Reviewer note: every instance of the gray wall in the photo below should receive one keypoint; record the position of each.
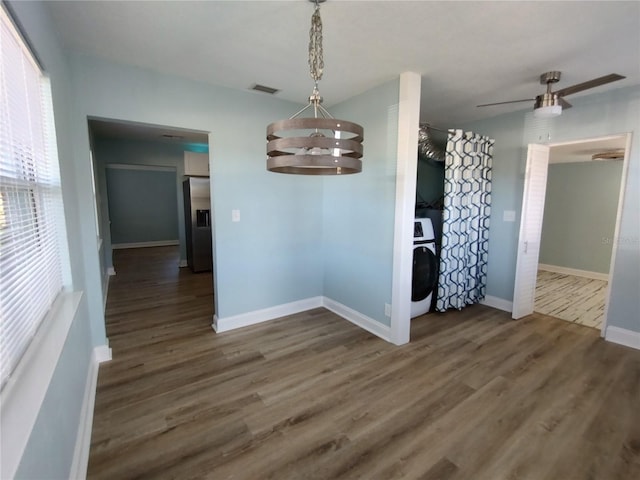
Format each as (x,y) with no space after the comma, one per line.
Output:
(613,112)
(580,215)
(142,205)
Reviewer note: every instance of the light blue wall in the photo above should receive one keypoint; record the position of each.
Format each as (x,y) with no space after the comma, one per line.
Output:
(613,112)
(271,256)
(142,205)
(49,451)
(580,215)
(136,152)
(358,216)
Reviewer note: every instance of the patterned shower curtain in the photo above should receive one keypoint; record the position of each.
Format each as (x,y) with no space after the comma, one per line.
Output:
(465,223)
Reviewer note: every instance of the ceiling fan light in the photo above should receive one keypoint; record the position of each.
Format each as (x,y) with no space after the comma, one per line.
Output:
(617,154)
(548,112)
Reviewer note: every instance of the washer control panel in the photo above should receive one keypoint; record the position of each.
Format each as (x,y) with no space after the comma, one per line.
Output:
(423,230)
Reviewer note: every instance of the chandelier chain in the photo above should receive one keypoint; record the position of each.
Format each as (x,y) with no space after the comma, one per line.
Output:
(316,60)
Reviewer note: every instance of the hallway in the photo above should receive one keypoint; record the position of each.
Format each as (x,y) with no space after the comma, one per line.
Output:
(150,295)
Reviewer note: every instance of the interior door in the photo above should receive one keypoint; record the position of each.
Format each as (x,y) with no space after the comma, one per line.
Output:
(535,187)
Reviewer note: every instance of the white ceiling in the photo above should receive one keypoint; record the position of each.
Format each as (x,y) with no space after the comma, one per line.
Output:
(467,52)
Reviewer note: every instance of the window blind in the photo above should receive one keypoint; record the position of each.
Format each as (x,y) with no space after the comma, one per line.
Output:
(31,209)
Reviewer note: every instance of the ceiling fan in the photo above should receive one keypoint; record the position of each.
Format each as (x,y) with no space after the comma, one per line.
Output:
(550,104)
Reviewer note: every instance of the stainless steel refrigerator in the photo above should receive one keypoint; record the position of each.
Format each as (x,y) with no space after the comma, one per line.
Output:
(197,217)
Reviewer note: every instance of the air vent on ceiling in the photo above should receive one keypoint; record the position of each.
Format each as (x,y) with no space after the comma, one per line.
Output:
(261,88)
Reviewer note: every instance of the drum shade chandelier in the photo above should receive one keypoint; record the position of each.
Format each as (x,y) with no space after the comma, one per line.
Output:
(318,145)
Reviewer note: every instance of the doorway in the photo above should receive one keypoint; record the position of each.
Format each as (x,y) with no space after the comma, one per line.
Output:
(533,213)
(139,172)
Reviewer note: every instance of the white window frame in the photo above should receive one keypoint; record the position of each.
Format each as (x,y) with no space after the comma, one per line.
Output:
(24,391)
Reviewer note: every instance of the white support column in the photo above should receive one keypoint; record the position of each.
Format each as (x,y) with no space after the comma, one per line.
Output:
(407,155)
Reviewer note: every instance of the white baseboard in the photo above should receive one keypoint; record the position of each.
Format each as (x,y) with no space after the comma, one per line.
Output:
(496,302)
(161,243)
(357,318)
(622,336)
(105,291)
(258,316)
(102,353)
(111,271)
(83,437)
(573,271)
(182,264)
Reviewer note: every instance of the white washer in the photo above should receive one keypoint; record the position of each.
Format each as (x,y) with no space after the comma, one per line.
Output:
(425,267)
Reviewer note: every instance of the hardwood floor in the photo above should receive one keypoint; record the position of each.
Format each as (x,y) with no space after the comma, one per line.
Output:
(474,396)
(568,297)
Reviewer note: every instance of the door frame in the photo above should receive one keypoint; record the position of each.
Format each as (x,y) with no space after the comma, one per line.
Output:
(616,232)
(531,217)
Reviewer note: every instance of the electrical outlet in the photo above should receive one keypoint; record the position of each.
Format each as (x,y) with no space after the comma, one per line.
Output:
(387,310)
(235,215)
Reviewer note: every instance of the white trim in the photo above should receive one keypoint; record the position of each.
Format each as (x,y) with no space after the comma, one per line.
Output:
(24,392)
(616,230)
(102,353)
(406,167)
(580,141)
(622,336)
(111,271)
(83,437)
(160,243)
(182,264)
(105,291)
(621,197)
(497,302)
(357,318)
(131,166)
(258,316)
(573,271)
(530,230)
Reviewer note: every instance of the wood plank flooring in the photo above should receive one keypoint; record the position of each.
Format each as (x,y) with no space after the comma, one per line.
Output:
(568,297)
(474,396)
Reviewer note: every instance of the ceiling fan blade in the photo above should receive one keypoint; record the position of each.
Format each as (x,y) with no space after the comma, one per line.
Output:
(564,103)
(510,101)
(596,82)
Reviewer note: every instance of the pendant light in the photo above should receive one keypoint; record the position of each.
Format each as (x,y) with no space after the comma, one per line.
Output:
(318,145)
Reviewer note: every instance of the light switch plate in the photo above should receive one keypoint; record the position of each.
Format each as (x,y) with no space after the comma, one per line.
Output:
(235,215)
(509,216)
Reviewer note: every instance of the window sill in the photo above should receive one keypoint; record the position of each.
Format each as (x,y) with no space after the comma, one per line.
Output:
(24,392)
